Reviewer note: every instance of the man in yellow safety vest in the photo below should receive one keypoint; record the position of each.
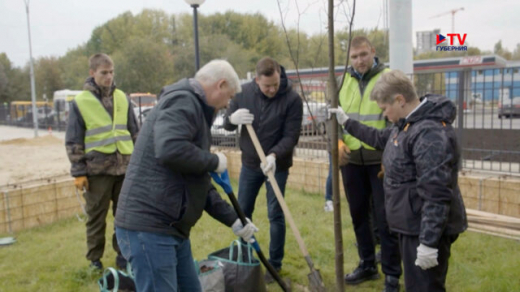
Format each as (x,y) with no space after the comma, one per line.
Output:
(100,137)
(360,165)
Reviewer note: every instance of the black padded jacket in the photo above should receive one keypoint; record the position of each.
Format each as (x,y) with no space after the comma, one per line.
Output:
(167,185)
(277,122)
(421,159)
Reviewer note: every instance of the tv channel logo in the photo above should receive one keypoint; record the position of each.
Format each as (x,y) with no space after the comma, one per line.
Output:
(443,46)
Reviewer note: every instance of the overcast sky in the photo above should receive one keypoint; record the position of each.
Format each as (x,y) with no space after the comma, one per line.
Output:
(60,25)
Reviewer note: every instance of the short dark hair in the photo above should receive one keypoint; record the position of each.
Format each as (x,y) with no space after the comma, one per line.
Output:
(359,41)
(267,66)
(98,59)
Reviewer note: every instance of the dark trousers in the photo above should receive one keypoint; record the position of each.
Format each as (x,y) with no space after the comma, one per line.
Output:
(102,190)
(432,279)
(249,185)
(328,184)
(363,189)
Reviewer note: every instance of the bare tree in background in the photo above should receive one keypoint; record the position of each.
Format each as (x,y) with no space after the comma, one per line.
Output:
(333,92)
(294,53)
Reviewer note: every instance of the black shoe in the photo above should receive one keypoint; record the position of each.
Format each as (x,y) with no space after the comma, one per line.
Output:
(362,274)
(121,262)
(378,257)
(391,284)
(268,278)
(96,265)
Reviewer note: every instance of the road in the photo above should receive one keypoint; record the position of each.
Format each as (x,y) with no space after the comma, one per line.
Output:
(9,133)
(487,120)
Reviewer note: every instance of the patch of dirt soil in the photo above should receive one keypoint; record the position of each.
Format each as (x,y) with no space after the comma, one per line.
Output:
(25,159)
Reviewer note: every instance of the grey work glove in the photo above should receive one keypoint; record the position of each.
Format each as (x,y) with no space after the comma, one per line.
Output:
(341,116)
(426,257)
(270,164)
(222,162)
(246,232)
(241,117)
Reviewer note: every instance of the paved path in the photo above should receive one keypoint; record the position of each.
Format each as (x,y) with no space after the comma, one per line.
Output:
(9,133)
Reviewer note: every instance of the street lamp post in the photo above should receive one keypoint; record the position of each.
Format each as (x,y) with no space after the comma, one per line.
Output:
(33,89)
(195,4)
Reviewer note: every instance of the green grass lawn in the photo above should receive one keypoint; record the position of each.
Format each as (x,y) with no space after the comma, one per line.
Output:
(51,258)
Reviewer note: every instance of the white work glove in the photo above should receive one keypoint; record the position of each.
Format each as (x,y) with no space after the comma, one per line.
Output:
(341,116)
(246,232)
(222,163)
(269,165)
(241,117)
(426,257)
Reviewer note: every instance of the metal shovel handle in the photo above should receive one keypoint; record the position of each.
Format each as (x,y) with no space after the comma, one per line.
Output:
(223,181)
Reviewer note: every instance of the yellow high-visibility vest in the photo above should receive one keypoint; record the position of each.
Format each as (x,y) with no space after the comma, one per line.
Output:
(360,108)
(104,134)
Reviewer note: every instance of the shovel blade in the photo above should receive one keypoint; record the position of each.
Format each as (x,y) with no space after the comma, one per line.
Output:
(315,282)
(7,240)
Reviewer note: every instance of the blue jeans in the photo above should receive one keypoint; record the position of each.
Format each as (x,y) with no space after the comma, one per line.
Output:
(160,262)
(328,184)
(249,185)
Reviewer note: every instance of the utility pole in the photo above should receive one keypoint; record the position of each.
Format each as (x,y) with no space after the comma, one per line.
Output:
(33,87)
(400,46)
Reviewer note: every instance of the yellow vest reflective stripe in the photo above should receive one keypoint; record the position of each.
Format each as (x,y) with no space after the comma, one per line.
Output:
(104,134)
(360,108)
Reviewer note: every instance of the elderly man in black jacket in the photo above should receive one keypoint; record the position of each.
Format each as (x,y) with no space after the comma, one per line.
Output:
(421,159)
(275,111)
(167,185)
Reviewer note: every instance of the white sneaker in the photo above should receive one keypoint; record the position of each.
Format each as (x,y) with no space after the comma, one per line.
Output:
(328,206)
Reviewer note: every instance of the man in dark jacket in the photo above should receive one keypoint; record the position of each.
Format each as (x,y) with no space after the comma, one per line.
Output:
(167,185)
(363,188)
(275,111)
(100,137)
(421,159)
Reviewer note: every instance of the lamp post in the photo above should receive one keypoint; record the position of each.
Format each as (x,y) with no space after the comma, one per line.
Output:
(195,4)
(33,89)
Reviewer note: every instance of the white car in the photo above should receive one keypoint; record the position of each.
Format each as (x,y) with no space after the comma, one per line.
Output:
(141,113)
(221,136)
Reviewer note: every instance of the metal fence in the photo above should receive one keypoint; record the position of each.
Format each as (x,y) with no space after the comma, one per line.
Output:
(22,116)
(488,119)
(313,137)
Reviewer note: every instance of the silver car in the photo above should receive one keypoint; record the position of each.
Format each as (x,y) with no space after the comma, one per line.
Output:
(509,108)
(141,113)
(221,136)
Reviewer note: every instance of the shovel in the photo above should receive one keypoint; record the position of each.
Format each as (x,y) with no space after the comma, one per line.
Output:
(223,181)
(315,281)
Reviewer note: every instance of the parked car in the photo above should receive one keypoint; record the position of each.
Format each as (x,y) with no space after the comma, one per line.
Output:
(509,108)
(221,136)
(141,113)
(314,124)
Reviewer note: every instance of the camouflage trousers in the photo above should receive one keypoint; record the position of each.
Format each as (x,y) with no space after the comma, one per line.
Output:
(102,190)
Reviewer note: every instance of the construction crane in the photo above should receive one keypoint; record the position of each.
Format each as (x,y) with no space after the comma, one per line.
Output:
(452,12)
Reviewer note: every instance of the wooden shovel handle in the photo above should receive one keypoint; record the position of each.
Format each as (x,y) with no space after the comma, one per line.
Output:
(277,191)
